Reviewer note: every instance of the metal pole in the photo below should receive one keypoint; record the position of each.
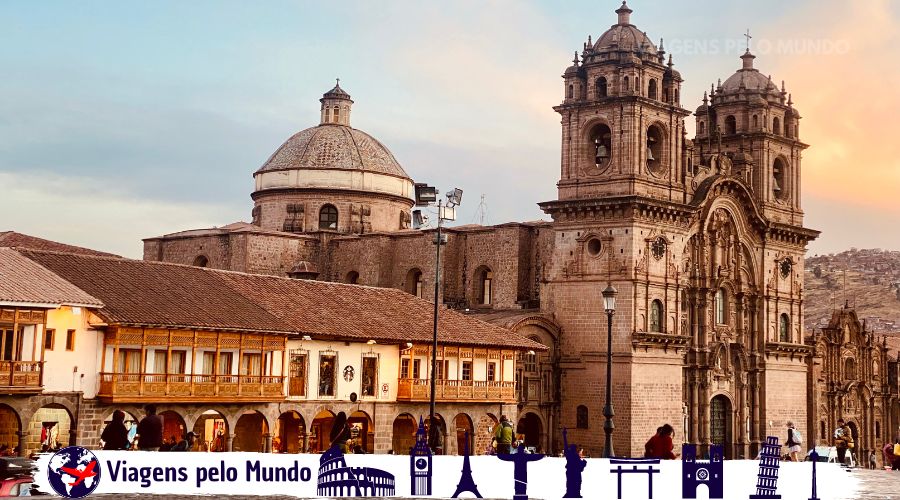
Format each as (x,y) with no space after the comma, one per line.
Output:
(608,425)
(432,425)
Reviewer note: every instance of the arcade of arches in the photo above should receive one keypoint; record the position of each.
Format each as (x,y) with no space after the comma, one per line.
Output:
(284,428)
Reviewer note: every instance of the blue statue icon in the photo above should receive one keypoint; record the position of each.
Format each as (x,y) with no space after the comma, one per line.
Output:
(420,464)
(466,483)
(708,472)
(769,463)
(520,473)
(574,467)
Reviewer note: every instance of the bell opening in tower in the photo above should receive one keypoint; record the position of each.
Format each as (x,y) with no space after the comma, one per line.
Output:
(655,153)
(601,144)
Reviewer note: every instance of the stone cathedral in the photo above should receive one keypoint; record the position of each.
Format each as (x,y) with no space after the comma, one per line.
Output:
(703,239)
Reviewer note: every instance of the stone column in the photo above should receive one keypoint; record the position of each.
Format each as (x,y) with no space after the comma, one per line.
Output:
(268,445)
(21,434)
(229,441)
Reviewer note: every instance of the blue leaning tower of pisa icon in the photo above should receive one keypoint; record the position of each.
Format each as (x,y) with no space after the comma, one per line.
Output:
(769,462)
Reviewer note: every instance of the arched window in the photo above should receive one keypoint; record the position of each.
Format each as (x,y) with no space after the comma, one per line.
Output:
(755,122)
(201,261)
(337,114)
(701,128)
(822,430)
(656,316)
(666,94)
(581,417)
(676,96)
(850,369)
(651,89)
(784,328)
(637,85)
(414,282)
(571,93)
(730,125)
(529,361)
(352,278)
(484,282)
(625,87)
(779,176)
(776,126)
(720,306)
(601,87)
(328,218)
(601,144)
(655,150)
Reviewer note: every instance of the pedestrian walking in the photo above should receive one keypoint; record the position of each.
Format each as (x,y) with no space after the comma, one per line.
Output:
(794,440)
(115,435)
(887,454)
(895,465)
(843,440)
(872,460)
(150,430)
(503,434)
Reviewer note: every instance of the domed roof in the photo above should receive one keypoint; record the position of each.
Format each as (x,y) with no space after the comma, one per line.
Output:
(748,77)
(331,146)
(624,35)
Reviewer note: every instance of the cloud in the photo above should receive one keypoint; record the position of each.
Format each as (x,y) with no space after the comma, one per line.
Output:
(94,214)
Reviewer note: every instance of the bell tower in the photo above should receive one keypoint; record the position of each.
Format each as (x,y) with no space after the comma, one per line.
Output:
(622,120)
(754,123)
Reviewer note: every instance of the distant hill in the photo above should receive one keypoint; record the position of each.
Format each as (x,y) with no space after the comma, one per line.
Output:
(872,287)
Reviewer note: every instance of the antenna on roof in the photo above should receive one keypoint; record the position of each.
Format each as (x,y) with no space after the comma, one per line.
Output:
(481,211)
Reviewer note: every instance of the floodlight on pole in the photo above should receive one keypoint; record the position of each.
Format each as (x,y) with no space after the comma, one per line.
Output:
(454,197)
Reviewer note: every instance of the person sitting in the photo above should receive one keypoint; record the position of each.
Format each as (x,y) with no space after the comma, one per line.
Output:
(186,444)
(660,445)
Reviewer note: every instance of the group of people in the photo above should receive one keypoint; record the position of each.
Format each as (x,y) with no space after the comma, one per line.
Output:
(148,435)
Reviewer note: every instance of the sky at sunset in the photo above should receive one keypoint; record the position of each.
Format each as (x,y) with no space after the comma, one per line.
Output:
(125,120)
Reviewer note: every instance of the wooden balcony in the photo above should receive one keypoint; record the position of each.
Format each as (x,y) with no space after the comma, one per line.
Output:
(20,377)
(159,388)
(481,391)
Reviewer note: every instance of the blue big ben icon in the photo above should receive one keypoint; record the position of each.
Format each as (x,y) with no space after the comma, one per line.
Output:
(420,464)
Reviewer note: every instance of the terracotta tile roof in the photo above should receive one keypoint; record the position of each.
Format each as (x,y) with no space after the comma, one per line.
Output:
(25,282)
(144,292)
(135,292)
(19,240)
(363,313)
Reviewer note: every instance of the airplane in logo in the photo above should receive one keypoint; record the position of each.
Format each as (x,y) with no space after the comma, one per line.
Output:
(81,475)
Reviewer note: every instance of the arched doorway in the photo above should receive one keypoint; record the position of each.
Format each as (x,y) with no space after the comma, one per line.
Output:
(530,429)
(50,428)
(484,433)
(320,432)
(212,431)
(441,448)
(290,433)
(463,424)
(720,423)
(250,431)
(10,426)
(854,431)
(174,427)
(362,431)
(404,434)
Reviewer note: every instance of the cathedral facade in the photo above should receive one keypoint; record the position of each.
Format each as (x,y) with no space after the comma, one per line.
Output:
(703,238)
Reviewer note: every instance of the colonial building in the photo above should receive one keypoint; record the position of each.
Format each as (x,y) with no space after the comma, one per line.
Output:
(247,362)
(702,237)
(856,379)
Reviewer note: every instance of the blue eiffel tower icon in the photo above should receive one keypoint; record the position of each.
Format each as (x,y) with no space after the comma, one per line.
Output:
(466,483)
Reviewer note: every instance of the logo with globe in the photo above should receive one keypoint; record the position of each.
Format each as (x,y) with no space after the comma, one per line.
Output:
(74,472)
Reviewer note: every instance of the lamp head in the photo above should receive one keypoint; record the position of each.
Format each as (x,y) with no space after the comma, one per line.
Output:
(609,299)
(454,197)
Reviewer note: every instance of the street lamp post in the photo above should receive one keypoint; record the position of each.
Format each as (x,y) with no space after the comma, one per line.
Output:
(609,304)
(426,195)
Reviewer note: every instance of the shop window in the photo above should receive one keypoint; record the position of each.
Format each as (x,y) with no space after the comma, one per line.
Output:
(369,375)
(327,374)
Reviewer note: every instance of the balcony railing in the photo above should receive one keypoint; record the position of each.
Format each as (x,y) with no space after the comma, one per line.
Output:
(456,390)
(124,387)
(20,376)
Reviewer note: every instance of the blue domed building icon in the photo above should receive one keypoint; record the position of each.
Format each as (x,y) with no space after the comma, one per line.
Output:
(74,472)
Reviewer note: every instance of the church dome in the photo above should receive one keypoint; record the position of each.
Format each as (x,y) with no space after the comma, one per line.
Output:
(748,78)
(333,146)
(624,35)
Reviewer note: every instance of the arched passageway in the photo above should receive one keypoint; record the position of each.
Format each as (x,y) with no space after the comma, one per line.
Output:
(212,432)
(362,432)
(320,432)
(10,426)
(250,432)
(290,433)
(404,434)
(463,425)
(529,430)
(51,428)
